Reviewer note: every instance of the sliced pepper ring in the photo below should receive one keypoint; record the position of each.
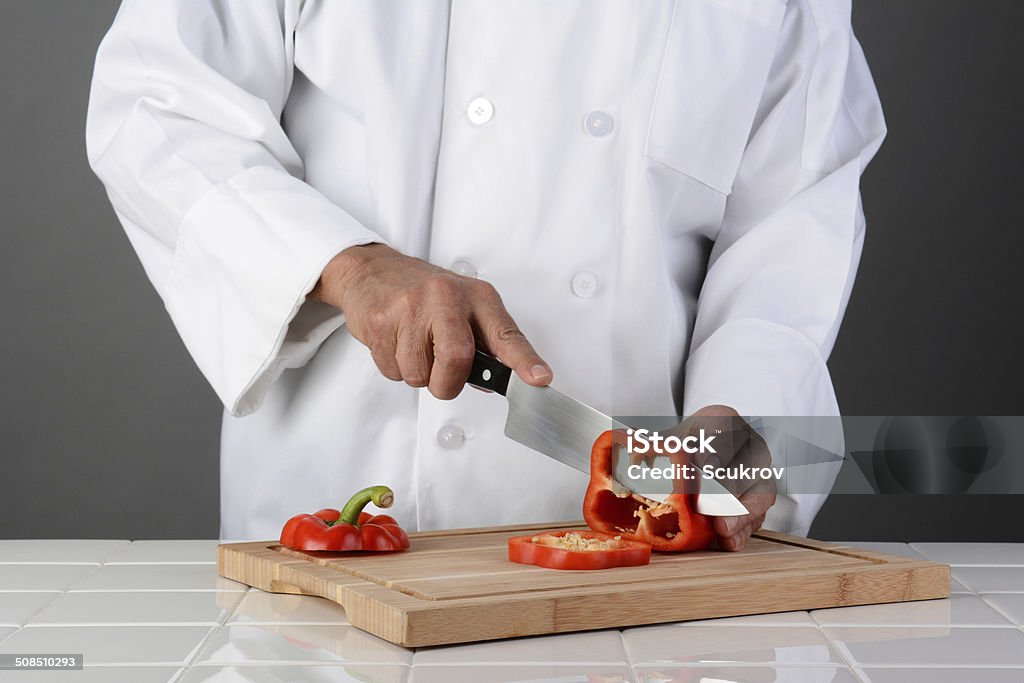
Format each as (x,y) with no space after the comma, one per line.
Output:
(577,549)
(670,526)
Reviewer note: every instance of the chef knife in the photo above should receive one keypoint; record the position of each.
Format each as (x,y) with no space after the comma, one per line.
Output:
(562,428)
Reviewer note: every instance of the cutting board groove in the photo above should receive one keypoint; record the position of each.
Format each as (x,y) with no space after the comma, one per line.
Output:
(458,586)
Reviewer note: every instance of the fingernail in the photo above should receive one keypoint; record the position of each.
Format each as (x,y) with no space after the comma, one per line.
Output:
(731,524)
(540,372)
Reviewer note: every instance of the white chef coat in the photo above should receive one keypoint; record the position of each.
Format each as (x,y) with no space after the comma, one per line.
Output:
(664,193)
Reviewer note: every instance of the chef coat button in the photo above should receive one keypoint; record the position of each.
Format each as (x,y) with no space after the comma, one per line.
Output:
(450,437)
(584,284)
(598,124)
(464,267)
(480,111)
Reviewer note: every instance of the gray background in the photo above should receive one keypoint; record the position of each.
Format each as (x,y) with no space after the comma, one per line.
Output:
(108,430)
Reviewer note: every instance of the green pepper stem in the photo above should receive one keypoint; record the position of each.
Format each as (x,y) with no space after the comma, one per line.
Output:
(381,496)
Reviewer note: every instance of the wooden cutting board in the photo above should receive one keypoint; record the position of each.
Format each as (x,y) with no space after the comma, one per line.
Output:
(458,586)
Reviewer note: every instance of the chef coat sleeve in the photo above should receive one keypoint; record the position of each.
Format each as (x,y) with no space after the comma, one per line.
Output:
(184,131)
(782,267)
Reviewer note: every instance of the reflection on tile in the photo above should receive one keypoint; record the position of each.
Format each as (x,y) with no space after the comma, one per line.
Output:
(942,675)
(901,549)
(714,644)
(591,647)
(102,674)
(58,551)
(112,644)
(283,643)
(959,610)
(203,607)
(325,673)
(973,553)
(166,552)
(522,673)
(1010,604)
(41,577)
(16,608)
(277,608)
(930,646)
(777,619)
(991,579)
(751,674)
(156,577)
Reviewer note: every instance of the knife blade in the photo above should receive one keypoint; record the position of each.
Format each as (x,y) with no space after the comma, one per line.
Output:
(562,428)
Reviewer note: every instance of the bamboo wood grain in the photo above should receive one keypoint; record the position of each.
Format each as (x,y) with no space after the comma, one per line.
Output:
(458,586)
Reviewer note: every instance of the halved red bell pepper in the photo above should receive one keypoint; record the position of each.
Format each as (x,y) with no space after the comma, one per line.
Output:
(577,549)
(350,529)
(671,526)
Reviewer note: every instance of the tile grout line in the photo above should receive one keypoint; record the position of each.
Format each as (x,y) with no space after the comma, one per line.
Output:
(187,663)
(626,648)
(140,590)
(943,667)
(127,545)
(214,631)
(125,624)
(981,596)
(3,639)
(57,594)
(841,650)
(834,666)
(859,674)
(258,664)
(625,653)
(234,609)
(98,561)
(966,627)
(500,663)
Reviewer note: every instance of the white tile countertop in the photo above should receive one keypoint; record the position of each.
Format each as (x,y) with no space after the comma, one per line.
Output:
(157,611)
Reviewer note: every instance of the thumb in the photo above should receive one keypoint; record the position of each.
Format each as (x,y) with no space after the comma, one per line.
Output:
(504,340)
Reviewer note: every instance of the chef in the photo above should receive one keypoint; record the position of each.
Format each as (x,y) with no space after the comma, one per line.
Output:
(652,206)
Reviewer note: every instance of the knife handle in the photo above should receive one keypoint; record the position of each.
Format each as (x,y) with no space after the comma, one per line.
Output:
(489,373)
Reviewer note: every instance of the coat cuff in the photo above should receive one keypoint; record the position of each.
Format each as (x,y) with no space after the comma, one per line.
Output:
(759,368)
(763,369)
(248,253)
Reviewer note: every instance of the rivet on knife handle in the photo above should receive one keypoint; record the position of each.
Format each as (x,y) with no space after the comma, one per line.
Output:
(489,373)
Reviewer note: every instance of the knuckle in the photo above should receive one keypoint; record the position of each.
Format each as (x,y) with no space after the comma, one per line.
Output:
(415,380)
(390,372)
(405,304)
(378,353)
(761,458)
(413,364)
(386,364)
(444,392)
(485,290)
(507,332)
(441,286)
(378,324)
(451,318)
(454,353)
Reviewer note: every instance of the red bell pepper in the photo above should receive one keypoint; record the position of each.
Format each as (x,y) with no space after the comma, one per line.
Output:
(577,549)
(350,529)
(671,526)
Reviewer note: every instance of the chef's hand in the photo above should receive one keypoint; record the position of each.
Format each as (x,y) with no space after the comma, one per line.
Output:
(737,444)
(422,323)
